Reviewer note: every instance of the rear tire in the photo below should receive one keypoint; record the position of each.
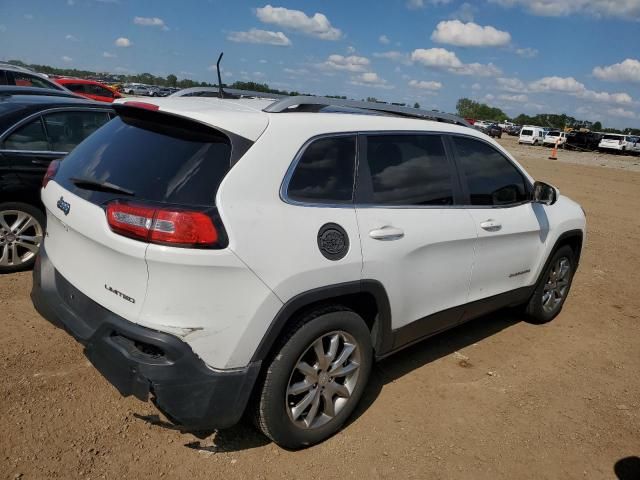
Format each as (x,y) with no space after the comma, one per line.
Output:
(553,287)
(21,233)
(316,378)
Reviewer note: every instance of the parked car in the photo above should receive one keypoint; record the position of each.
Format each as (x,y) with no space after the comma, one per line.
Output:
(555,137)
(494,130)
(90,89)
(23,77)
(138,89)
(531,135)
(585,141)
(513,130)
(617,143)
(34,131)
(633,145)
(220,265)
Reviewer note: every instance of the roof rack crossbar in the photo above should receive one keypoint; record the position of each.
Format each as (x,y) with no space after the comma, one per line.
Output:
(286,104)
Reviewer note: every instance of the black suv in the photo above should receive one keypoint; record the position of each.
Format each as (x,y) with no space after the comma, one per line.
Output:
(577,140)
(34,131)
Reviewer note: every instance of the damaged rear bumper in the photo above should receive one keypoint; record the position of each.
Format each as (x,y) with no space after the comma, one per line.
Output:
(143,362)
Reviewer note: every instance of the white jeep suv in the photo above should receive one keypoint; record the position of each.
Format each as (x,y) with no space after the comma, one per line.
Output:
(232,255)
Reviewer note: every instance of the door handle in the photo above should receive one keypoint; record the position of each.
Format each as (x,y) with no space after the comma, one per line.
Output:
(387,233)
(491,225)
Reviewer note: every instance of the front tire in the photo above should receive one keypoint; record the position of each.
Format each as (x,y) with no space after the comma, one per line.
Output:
(21,233)
(553,287)
(316,378)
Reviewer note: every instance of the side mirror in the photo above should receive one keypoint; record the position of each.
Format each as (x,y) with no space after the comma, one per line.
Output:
(545,193)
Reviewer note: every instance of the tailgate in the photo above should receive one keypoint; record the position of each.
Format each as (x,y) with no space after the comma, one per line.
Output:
(108,268)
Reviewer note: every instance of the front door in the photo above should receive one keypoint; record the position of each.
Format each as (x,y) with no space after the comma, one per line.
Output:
(511,229)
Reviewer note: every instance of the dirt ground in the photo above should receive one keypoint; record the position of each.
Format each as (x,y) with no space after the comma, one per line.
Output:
(496,398)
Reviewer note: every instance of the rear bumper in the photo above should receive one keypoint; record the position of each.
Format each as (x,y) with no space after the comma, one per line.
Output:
(143,362)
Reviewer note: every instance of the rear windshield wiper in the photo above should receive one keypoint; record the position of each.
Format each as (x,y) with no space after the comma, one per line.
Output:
(88,184)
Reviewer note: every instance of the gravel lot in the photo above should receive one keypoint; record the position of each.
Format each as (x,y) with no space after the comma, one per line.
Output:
(496,398)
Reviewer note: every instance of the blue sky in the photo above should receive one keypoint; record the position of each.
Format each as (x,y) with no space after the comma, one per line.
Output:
(581,57)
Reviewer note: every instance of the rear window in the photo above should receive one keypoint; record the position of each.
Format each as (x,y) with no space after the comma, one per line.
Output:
(612,137)
(553,134)
(168,160)
(527,132)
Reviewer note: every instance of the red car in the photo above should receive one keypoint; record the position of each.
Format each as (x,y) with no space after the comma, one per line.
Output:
(90,89)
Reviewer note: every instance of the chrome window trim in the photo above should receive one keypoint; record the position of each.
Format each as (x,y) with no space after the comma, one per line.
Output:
(33,152)
(296,159)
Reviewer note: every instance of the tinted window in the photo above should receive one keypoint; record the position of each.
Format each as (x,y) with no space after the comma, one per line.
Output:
(3,78)
(409,170)
(68,129)
(28,137)
(75,87)
(491,178)
(324,173)
(180,163)
(527,132)
(97,90)
(26,80)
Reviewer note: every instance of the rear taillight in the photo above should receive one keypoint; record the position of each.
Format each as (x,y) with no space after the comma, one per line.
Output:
(167,226)
(51,172)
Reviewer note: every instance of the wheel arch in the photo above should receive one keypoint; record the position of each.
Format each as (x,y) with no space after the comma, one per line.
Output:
(368,298)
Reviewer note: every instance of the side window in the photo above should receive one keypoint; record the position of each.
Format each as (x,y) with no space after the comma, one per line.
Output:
(26,80)
(325,172)
(491,178)
(28,137)
(3,78)
(68,129)
(409,170)
(75,87)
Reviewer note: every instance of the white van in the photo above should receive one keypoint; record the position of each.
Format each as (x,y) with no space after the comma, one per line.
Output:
(531,135)
(554,136)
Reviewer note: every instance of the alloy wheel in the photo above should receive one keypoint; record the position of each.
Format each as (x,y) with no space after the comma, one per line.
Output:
(556,285)
(323,380)
(20,237)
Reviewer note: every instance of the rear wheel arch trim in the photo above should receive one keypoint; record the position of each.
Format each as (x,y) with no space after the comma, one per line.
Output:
(381,334)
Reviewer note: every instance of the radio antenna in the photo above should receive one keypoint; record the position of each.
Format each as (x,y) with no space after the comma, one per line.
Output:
(220,91)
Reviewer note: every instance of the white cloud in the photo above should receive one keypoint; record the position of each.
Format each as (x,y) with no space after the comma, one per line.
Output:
(66,59)
(425,85)
(621,112)
(70,37)
(71,3)
(514,98)
(122,42)
(317,26)
(384,40)
(109,55)
(3,28)
(394,56)
(513,85)
(369,79)
(28,16)
(626,9)
(296,71)
(455,32)
(476,86)
(527,52)
(150,22)
(352,63)
(442,59)
(260,36)
(351,49)
(626,71)
(262,60)
(466,12)
(573,87)
(416,4)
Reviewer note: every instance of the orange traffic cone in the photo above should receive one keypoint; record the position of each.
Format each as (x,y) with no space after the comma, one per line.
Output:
(554,151)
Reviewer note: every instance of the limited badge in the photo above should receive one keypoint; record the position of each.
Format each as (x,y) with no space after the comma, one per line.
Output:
(333,241)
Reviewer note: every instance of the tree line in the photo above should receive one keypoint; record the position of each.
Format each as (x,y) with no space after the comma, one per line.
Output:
(468,108)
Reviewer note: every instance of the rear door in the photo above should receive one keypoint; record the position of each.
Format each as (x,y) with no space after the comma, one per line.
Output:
(415,239)
(511,229)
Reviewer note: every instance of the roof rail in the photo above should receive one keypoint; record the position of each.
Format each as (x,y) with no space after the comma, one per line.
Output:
(317,103)
(228,93)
